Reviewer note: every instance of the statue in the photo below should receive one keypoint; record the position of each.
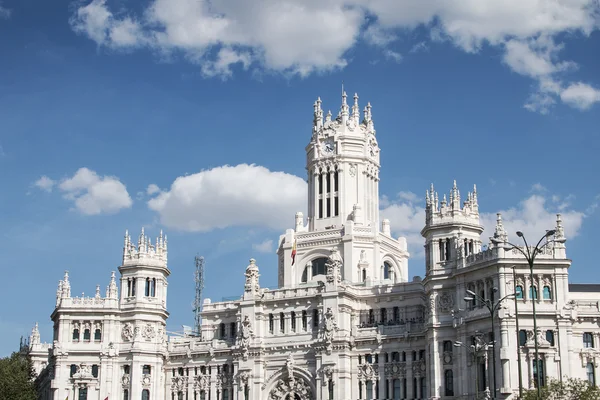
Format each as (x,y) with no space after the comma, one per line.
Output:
(334,266)
(289,366)
(245,336)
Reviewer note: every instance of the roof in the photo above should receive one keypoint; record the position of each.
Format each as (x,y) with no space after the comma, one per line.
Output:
(584,287)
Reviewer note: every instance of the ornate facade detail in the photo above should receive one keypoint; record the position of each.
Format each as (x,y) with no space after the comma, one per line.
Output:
(395,370)
(179,383)
(367,372)
(327,374)
(125,381)
(127,332)
(329,327)
(252,284)
(292,388)
(201,382)
(418,368)
(146,380)
(334,266)
(245,337)
(148,332)
(540,339)
(243,380)
(447,357)
(445,302)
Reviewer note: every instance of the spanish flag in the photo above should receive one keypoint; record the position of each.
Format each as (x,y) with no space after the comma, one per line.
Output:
(294,252)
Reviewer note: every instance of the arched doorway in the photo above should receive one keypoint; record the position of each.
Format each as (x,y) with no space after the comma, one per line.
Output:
(291,389)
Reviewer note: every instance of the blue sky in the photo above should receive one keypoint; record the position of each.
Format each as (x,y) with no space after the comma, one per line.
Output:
(104,105)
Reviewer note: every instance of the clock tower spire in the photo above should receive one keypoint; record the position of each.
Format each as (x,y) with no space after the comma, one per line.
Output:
(343,168)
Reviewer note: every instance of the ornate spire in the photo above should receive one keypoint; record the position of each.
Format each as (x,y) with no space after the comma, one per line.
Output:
(559,234)
(111,289)
(252,285)
(59,292)
(355,109)
(97,295)
(344,108)
(66,285)
(500,233)
(35,335)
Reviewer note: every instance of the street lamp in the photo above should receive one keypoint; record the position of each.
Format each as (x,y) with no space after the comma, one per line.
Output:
(530,255)
(492,308)
(480,347)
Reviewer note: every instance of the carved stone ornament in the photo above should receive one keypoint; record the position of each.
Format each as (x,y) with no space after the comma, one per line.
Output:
(179,383)
(127,332)
(245,337)
(243,380)
(146,380)
(395,370)
(125,381)
(296,389)
(329,327)
(327,372)
(148,332)
(367,372)
(418,368)
(352,170)
(445,302)
(334,266)
(202,382)
(447,357)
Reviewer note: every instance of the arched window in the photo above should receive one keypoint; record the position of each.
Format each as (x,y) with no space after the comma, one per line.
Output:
(387,270)
(449,382)
(76,335)
(550,337)
(533,293)
(318,266)
(547,293)
(590,373)
(145,394)
(153,288)
(97,335)
(448,349)
(147,288)
(304,278)
(519,291)
(86,334)
(146,369)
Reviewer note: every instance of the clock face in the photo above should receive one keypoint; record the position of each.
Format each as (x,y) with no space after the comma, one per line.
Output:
(328,147)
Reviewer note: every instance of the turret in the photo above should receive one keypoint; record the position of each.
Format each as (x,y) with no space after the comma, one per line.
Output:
(452,230)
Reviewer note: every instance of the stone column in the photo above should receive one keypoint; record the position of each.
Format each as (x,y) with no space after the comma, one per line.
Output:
(409,375)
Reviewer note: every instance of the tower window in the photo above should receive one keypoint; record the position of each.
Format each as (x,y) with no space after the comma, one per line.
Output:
(293,320)
(328,202)
(318,266)
(336,206)
(75,335)
(304,320)
(133,282)
(147,288)
(320,183)
(320,208)
(128,287)
(547,293)
(97,335)
(533,293)
(86,334)
(146,369)
(328,179)
(282,322)
(588,340)
(335,180)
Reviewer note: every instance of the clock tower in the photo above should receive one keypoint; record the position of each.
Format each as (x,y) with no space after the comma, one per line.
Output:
(341,239)
(343,168)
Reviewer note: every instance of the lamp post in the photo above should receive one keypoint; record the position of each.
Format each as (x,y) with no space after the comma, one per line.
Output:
(492,308)
(530,255)
(518,337)
(476,349)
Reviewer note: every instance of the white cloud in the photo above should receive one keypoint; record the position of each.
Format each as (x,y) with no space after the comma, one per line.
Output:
(265,247)
(4,12)
(580,95)
(310,36)
(152,189)
(533,216)
(93,194)
(44,183)
(538,187)
(242,195)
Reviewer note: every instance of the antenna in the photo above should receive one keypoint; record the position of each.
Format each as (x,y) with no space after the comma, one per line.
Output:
(199,279)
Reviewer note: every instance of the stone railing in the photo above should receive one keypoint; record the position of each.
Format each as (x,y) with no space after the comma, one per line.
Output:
(327,234)
(391,330)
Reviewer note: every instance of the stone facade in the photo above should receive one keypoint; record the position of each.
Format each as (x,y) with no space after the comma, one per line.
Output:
(345,322)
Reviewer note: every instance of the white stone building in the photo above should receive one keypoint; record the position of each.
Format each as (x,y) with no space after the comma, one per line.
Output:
(346,322)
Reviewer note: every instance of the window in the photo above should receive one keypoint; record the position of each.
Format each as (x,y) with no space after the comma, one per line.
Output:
(147,288)
(387,269)
(403,356)
(86,334)
(281,322)
(83,393)
(330,384)
(97,335)
(202,395)
(395,356)
(95,371)
(315,318)
(396,314)
(364,274)
(550,337)
(145,394)
(304,320)
(448,383)
(304,278)
(533,294)
(126,394)
(369,387)
(547,293)
(126,369)
(396,390)
(383,312)
(542,372)
(179,395)
(232,328)
(519,291)
(293,320)
(73,370)
(318,266)
(75,335)
(146,369)
(590,373)
(271,323)
(133,282)
(448,348)
(588,340)
(522,337)
(371,316)
(369,359)
(180,371)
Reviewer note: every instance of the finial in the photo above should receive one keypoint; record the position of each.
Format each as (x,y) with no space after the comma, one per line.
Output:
(66,278)
(97,291)
(454,185)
